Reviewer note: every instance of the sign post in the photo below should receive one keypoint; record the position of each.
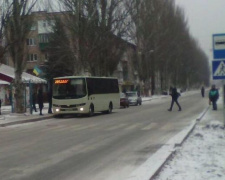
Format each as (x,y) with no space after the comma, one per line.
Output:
(218,65)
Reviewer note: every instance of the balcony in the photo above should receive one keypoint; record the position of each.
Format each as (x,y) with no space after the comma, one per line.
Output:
(43,46)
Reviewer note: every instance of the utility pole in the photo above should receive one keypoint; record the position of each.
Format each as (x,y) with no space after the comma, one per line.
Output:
(152,71)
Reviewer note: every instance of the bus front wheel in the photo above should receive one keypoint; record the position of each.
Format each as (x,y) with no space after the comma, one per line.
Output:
(91,111)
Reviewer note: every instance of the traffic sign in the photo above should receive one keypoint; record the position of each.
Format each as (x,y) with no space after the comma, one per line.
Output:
(219,46)
(218,68)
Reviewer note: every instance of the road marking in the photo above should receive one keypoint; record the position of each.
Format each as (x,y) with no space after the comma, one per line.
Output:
(85,127)
(116,127)
(134,126)
(150,126)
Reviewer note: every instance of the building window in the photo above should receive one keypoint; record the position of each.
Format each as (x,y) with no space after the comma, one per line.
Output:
(44,23)
(32,57)
(33,27)
(31,42)
(43,38)
(46,57)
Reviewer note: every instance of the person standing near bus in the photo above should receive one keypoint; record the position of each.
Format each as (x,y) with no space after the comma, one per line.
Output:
(34,101)
(40,100)
(0,106)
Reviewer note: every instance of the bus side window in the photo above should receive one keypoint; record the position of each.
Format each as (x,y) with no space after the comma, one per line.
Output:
(90,87)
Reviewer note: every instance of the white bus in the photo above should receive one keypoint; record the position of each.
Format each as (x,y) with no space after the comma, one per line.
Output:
(85,95)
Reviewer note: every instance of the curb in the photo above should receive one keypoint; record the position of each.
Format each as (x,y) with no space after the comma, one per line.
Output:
(152,167)
(26,121)
(202,114)
(192,127)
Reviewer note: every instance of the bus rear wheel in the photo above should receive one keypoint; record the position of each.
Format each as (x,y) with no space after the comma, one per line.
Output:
(110,108)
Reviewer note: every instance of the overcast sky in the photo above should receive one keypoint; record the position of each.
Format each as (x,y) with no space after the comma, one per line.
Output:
(205,18)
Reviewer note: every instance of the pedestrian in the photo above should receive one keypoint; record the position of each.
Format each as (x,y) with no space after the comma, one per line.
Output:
(175,95)
(203,91)
(40,100)
(0,106)
(50,102)
(34,101)
(213,97)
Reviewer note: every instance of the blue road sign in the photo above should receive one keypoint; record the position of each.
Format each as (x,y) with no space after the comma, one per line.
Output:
(218,69)
(219,46)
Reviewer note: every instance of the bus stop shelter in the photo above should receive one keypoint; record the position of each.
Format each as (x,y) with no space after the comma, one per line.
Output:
(7,74)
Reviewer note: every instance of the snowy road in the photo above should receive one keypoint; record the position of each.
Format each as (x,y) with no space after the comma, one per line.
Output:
(103,147)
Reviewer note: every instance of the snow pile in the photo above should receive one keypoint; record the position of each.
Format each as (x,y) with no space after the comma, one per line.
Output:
(201,157)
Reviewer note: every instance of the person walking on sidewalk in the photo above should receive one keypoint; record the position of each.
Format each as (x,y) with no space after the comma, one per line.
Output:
(40,100)
(203,91)
(213,96)
(0,106)
(175,95)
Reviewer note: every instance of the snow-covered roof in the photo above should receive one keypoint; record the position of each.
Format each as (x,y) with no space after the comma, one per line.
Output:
(7,74)
(3,82)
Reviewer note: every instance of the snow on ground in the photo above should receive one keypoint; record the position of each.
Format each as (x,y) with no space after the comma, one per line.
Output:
(201,157)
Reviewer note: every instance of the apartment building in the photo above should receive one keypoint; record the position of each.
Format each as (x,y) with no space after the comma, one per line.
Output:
(39,39)
(37,53)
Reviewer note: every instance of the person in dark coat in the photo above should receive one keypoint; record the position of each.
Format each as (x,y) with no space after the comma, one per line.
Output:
(0,106)
(34,101)
(175,95)
(203,91)
(40,100)
(213,97)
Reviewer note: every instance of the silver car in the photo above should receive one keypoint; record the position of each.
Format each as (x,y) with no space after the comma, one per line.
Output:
(134,98)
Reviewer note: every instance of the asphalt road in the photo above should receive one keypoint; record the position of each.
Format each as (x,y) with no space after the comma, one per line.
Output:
(102,147)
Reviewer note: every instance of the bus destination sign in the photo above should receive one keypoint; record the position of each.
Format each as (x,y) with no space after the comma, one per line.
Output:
(61,81)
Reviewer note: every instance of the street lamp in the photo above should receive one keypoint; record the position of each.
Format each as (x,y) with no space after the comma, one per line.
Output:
(149,66)
(152,72)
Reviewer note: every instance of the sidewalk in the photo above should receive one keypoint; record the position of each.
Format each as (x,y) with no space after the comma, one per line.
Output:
(175,161)
(7,118)
(201,155)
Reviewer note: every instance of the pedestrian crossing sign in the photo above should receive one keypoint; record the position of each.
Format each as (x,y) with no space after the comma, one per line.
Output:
(218,68)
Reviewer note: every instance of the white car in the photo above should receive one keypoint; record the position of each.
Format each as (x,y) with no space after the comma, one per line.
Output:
(134,98)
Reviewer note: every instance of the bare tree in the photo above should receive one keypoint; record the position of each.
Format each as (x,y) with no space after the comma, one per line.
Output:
(5,12)
(146,16)
(166,52)
(95,27)
(17,29)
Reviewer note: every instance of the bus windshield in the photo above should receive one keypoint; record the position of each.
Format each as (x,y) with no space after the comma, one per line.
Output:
(69,88)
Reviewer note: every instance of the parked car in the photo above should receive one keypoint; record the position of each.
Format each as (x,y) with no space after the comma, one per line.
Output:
(134,98)
(124,102)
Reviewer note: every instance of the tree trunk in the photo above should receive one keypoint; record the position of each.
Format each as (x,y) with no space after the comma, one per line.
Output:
(19,93)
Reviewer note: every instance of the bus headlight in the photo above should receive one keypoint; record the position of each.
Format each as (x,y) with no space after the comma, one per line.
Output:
(57,109)
(81,109)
